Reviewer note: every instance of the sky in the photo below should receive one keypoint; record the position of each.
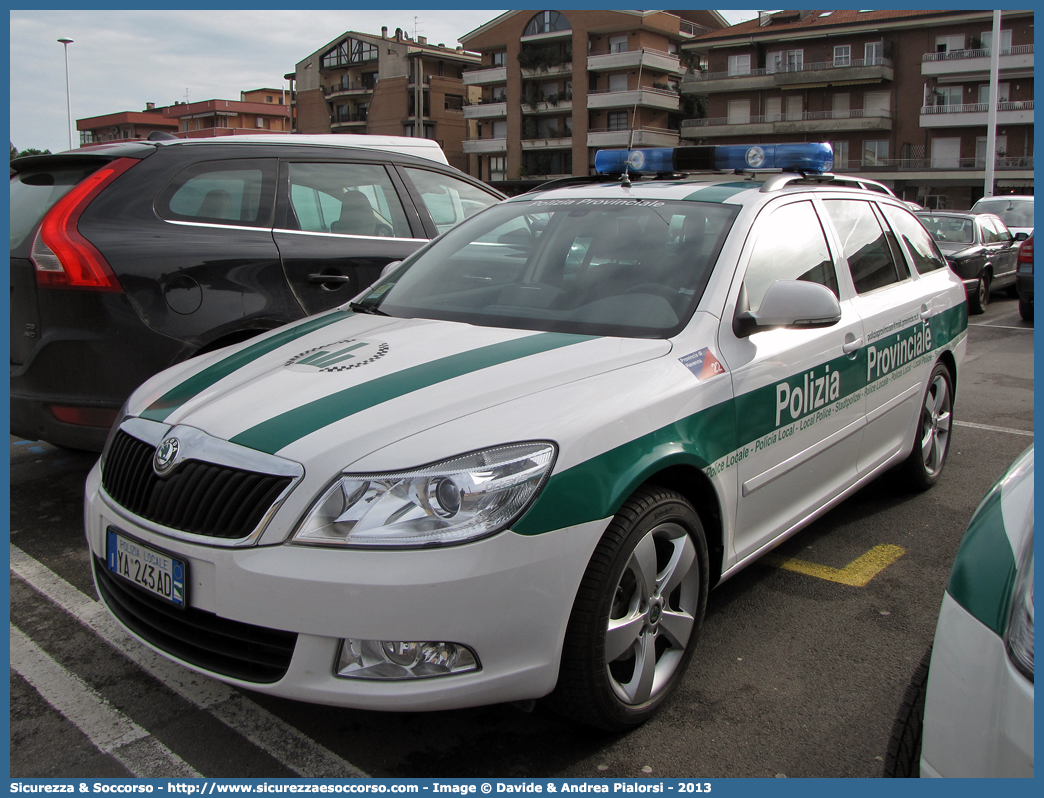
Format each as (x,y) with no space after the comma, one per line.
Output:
(122,59)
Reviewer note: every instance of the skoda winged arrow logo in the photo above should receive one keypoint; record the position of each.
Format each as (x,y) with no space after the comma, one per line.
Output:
(166,455)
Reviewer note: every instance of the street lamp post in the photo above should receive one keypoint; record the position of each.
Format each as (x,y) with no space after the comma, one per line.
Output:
(68,96)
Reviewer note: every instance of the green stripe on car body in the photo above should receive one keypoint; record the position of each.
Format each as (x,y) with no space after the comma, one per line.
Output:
(280,431)
(984,570)
(197,383)
(709,440)
(721,191)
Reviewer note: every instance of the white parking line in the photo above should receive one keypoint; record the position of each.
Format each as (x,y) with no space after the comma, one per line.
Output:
(278,739)
(1000,327)
(988,428)
(108,729)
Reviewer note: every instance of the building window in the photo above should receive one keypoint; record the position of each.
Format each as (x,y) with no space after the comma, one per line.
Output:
(739,64)
(618,44)
(500,129)
(616,120)
(269,98)
(350,51)
(786,61)
(948,44)
(498,94)
(454,102)
(618,82)
(949,95)
(875,153)
(546,22)
(843,55)
(980,150)
(500,59)
(739,112)
(841,105)
(840,154)
(498,167)
(1003,93)
(987,37)
(873,52)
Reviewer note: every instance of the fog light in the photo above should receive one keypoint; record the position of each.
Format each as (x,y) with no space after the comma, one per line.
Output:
(392,660)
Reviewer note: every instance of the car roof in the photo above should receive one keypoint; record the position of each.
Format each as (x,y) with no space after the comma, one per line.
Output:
(730,188)
(404,145)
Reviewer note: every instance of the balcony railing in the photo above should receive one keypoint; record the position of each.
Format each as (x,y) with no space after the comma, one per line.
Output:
(691,28)
(343,87)
(812,66)
(956,55)
(977,108)
(921,164)
(804,116)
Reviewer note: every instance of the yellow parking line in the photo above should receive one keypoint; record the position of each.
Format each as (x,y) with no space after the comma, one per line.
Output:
(857,573)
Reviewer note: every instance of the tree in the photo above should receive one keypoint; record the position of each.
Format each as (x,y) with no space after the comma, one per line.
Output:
(16,154)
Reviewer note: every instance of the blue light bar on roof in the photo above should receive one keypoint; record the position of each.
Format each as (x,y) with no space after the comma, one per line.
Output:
(802,157)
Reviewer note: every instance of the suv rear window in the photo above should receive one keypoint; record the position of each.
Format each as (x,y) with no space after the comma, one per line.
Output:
(1013,211)
(221,192)
(35,190)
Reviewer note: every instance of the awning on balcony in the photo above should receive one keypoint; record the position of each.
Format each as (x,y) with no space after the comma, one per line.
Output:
(1014,184)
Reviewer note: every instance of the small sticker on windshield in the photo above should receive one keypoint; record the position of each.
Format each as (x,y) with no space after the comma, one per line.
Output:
(703,364)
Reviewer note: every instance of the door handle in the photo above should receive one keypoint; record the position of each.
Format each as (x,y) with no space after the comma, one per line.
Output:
(329,278)
(851,344)
(926,312)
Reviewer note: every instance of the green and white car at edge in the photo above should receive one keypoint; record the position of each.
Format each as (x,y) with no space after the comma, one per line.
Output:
(514,467)
(968,711)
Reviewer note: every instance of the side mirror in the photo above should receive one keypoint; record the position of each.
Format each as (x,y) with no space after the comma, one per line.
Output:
(1021,236)
(795,304)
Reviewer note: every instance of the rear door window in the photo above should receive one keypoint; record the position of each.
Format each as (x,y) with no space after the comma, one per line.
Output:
(234,193)
(345,199)
(448,200)
(872,258)
(921,249)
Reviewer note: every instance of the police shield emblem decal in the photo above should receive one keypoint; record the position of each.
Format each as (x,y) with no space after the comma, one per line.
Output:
(338,356)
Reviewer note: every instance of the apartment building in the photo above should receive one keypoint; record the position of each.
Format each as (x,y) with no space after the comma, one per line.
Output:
(556,86)
(903,96)
(209,118)
(122,125)
(387,85)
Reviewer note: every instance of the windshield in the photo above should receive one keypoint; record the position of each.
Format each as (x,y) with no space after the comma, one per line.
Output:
(624,267)
(1015,212)
(950,229)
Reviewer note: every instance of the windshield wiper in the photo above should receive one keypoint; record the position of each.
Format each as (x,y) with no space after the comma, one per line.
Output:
(372,310)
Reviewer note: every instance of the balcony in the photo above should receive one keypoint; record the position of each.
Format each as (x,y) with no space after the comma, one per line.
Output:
(966,62)
(820,73)
(1007,168)
(349,122)
(549,105)
(648,59)
(1009,113)
(777,124)
(555,143)
(356,89)
(643,137)
(548,72)
(648,98)
(485,77)
(686,28)
(483,146)
(486,111)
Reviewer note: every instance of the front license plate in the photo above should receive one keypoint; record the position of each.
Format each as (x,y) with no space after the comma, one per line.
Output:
(150,569)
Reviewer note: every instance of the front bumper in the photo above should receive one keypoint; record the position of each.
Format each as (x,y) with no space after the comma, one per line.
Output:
(507,597)
(978,712)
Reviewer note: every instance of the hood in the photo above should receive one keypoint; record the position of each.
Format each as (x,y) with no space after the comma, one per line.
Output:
(343,378)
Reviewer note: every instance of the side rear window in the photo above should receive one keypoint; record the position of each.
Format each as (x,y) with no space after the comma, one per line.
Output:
(35,190)
(346,199)
(237,193)
(920,247)
(872,260)
(448,200)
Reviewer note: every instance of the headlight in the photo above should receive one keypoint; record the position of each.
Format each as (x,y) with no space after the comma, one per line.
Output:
(1019,637)
(457,500)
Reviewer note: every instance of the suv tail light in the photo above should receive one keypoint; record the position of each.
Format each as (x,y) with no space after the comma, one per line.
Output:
(62,256)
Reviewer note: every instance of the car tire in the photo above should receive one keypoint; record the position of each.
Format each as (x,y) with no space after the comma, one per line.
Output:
(903,757)
(980,297)
(1026,310)
(637,614)
(923,467)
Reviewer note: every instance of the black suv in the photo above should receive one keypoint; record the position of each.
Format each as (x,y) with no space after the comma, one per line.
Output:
(129,257)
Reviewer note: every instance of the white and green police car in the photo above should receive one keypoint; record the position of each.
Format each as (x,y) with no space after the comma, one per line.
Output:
(514,467)
(968,711)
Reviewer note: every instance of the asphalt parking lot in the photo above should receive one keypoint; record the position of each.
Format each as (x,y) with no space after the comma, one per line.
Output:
(800,668)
